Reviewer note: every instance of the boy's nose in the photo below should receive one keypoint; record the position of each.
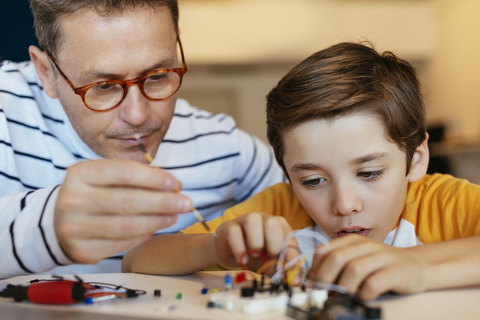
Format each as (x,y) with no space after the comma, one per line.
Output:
(134,110)
(345,200)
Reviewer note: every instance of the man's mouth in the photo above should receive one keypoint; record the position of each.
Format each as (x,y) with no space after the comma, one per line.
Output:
(354,230)
(132,141)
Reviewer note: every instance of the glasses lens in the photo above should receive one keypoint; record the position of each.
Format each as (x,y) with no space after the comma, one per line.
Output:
(161,85)
(104,96)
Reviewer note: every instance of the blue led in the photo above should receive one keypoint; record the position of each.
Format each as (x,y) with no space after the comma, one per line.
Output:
(228,281)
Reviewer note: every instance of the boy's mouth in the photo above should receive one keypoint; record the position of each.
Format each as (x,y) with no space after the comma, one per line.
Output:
(354,230)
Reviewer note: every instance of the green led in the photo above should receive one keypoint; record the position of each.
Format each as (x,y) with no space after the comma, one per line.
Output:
(179,296)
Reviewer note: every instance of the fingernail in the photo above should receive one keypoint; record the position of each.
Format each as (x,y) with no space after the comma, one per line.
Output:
(245,260)
(169,183)
(184,205)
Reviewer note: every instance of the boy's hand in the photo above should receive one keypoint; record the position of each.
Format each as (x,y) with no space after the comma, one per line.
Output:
(253,231)
(369,268)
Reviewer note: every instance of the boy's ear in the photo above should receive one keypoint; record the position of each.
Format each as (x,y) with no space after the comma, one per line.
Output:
(420,160)
(44,70)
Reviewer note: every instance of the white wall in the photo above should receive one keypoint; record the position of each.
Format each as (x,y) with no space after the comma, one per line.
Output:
(246,31)
(237,50)
(452,78)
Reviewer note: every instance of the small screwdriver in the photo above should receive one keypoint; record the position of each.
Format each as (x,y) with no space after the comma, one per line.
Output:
(50,292)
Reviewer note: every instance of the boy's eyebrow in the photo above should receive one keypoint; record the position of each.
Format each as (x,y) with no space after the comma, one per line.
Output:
(359,160)
(305,166)
(370,157)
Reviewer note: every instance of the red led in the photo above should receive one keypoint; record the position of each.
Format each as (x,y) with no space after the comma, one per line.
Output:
(241,277)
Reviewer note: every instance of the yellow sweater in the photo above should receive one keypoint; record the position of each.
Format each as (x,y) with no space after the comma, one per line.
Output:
(438,208)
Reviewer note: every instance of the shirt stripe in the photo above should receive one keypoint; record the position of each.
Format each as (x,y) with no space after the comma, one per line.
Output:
(250,165)
(17,95)
(203,162)
(200,135)
(43,231)
(14,249)
(259,181)
(18,179)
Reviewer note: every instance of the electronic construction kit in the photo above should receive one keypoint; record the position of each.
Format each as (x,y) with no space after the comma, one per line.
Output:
(276,287)
(288,287)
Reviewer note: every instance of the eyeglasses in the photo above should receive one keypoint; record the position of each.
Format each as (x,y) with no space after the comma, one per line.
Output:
(156,85)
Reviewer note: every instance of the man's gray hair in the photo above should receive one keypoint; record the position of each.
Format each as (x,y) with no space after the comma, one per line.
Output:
(47,15)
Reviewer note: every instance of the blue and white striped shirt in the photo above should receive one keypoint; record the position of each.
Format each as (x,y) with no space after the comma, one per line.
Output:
(218,165)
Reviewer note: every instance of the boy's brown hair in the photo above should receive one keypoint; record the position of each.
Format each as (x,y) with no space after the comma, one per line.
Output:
(344,79)
(47,15)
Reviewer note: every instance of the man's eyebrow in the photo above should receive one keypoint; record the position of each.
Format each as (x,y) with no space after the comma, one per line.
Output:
(370,157)
(164,64)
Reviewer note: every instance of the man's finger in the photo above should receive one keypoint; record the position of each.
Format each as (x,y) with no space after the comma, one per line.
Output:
(104,227)
(123,173)
(126,201)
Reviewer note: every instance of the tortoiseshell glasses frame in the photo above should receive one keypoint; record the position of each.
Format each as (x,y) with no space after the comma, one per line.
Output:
(140,81)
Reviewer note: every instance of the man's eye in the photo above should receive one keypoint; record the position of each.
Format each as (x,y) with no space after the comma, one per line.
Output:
(157,77)
(370,175)
(104,87)
(312,182)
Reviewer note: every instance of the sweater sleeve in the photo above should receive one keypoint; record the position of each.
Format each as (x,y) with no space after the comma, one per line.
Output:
(27,234)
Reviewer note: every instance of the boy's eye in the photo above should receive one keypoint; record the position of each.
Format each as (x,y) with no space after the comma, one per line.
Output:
(312,182)
(370,175)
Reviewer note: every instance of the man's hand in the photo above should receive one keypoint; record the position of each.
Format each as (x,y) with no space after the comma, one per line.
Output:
(369,268)
(253,231)
(107,206)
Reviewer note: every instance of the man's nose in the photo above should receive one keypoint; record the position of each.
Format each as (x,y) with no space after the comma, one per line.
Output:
(345,200)
(134,109)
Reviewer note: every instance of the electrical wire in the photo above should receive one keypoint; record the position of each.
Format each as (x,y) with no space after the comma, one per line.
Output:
(295,233)
(154,164)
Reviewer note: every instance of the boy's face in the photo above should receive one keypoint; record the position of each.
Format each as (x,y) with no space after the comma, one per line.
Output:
(347,175)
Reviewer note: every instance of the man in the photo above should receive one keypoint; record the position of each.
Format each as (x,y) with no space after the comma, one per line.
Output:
(109,70)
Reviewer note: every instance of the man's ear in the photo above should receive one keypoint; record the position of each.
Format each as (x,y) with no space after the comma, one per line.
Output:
(420,160)
(44,70)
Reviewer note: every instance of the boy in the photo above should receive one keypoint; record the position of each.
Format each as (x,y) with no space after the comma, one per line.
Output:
(348,128)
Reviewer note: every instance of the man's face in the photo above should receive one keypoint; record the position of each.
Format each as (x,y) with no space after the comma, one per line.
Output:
(347,175)
(119,47)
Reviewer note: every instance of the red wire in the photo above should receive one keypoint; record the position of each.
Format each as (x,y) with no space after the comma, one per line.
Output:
(244,266)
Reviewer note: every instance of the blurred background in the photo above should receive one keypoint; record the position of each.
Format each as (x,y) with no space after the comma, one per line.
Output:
(237,50)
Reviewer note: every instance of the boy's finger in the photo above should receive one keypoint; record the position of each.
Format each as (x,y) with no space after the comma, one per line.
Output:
(380,282)
(358,270)
(235,240)
(276,229)
(253,229)
(328,266)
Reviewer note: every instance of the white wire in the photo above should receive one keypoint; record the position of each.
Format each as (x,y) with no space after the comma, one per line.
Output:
(295,233)
(329,286)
